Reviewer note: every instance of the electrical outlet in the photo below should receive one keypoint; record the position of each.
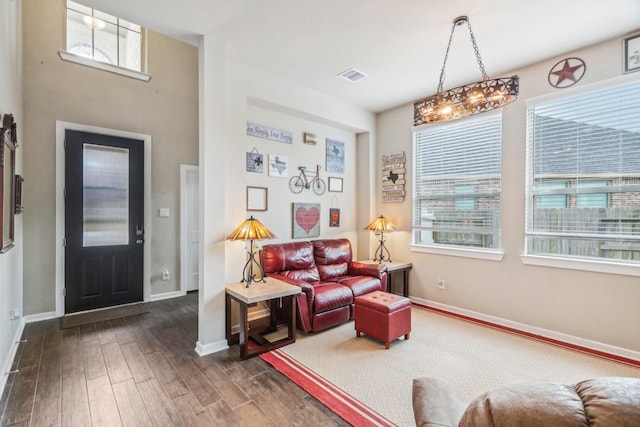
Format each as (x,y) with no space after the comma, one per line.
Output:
(441,284)
(165,274)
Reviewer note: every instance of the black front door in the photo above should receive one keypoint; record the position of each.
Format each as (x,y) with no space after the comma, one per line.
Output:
(104,220)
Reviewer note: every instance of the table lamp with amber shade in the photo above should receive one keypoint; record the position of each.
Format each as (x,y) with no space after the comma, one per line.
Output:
(251,229)
(381,225)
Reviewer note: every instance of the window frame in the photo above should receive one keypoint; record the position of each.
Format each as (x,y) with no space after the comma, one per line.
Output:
(105,66)
(601,265)
(494,254)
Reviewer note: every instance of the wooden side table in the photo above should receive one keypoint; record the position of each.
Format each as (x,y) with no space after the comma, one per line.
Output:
(397,272)
(277,294)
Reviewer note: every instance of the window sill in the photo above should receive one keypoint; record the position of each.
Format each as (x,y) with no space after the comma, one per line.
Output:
(584,265)
(103,66)
(459,252)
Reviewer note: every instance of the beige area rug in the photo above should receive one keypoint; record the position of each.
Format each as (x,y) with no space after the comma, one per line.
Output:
(473,358)
(86,318)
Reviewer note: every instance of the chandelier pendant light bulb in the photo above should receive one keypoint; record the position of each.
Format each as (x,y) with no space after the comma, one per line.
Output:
(479,97)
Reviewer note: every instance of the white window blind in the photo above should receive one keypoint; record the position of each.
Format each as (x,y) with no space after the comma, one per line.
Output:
(591,144)
(457,183)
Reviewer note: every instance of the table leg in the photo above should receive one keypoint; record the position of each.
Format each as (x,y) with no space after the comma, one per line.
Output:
(244,330)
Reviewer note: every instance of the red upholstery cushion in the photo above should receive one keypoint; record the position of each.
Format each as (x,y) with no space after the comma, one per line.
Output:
(361,285)
(332,257)
(294,260)
(330,296)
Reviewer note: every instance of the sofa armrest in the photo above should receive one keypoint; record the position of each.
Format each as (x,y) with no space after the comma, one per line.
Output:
(306,287)
(436,403)
(361,269)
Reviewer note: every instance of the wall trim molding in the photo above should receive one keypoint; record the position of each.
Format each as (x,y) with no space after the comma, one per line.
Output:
(166,295)
(214,347)
(6,368)
(39,317)
(593,348)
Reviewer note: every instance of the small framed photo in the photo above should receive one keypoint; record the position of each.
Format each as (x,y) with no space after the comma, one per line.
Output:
(257,198)
(631,53)
(310,138)
(334,217)
(335,184)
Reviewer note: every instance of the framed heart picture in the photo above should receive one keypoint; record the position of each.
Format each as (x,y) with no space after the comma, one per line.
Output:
(305,220)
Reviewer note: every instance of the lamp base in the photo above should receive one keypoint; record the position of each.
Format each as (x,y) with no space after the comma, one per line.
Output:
(247,273)
(382,253)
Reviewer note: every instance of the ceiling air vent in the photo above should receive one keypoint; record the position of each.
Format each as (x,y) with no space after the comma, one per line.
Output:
(352,75)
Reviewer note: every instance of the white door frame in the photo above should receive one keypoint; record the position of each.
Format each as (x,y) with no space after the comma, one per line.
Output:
(61,127)
(184,225)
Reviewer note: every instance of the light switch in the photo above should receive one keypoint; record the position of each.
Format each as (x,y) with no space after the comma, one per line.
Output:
(163,212)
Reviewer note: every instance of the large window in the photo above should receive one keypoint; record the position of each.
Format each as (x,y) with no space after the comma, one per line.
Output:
(102,37)
(583,176)
(457,183)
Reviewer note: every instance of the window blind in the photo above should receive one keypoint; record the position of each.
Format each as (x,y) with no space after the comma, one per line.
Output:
(457,183)
(591,144)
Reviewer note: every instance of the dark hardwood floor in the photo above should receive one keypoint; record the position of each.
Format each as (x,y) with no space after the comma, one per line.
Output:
(143,371)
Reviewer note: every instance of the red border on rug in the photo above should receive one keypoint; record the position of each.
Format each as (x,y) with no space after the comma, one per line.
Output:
(342,404)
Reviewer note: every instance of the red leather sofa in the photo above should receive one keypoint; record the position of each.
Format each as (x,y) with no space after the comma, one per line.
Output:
(329,278)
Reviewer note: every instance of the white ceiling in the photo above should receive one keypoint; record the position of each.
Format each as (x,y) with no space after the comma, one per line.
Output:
(399,44)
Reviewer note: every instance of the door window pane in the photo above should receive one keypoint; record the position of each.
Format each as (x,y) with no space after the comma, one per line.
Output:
(105,181)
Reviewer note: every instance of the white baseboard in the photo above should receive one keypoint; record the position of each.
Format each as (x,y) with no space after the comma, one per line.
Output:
(167,295)
(214,347)
(4,375)
(533,330)
(39,316)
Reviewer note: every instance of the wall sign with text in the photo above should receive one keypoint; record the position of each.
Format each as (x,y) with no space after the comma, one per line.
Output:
(393,177)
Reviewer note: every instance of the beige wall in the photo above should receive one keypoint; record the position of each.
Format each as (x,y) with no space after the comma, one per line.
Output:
(166,108)
(596,307)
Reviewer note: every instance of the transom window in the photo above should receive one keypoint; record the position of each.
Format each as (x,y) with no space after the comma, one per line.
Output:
(583,176)
(457,183)
(102,37)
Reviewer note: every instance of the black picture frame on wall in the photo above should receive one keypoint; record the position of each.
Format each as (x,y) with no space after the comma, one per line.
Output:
(631,53)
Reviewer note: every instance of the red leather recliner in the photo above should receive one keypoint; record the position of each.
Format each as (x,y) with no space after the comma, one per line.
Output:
(329,279)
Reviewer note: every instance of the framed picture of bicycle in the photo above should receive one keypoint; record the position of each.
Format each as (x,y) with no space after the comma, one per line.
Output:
(305,220)
(335,156)
(335,184)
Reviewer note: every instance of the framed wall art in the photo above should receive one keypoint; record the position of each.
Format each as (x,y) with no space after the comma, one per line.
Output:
(335,184)
(631,53)
(278,166)
(310,138)
(335,156)
(255,161)
(257,198)
(305,220)
(334,217)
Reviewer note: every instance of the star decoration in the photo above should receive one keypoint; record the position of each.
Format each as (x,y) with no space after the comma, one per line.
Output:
(565,72)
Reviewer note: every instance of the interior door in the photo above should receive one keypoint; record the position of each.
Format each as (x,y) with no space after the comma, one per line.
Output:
(104,220)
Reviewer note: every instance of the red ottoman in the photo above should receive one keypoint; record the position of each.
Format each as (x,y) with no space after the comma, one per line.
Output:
(383,316)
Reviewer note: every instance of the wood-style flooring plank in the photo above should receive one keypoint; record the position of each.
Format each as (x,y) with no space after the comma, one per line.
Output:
(102,403)
(75,403)
(20,402)
(116,363)
(192,412)
(200,387)
(222,415)
(159,406)
(233,395)
(138,365)
(94,365)
(33,336)
(72,358)
(251,415)
(122,331)
(47,408)
(133,413)
(167,375)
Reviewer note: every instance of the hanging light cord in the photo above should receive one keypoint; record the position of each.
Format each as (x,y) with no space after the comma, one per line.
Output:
(459,21)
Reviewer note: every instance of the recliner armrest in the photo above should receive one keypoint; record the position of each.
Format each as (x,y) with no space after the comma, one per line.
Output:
(436,403)
(361,269)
